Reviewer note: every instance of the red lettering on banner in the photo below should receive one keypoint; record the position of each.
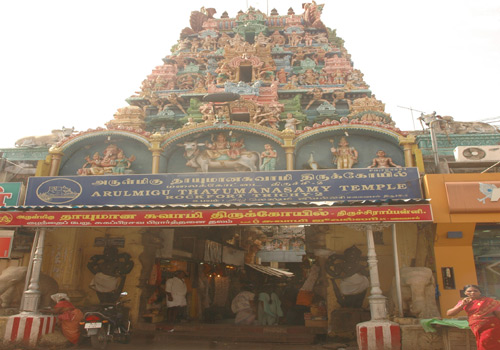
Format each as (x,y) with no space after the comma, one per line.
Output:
(221,217)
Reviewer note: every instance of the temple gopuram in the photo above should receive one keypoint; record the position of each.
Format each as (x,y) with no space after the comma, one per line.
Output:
(283,80)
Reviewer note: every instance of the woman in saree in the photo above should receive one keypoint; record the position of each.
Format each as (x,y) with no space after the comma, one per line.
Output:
(68,317)
(483,315)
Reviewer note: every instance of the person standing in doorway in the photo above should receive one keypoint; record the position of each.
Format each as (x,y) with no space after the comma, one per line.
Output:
(176,290)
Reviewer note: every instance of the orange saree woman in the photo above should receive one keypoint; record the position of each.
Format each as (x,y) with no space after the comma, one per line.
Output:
(68,318)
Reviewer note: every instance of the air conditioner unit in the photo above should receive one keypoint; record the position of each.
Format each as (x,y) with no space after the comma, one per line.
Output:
(477,153)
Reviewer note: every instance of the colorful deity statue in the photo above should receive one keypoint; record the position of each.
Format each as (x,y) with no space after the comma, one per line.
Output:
(291,122)
(268,158)
(122,163)
(219,147)
(344,156)
(113,161)
(382,161)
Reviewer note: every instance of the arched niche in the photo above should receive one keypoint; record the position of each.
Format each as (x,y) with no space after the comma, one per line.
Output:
(242,110)
(316,146)
(246,67)
(177,156)
(78,148)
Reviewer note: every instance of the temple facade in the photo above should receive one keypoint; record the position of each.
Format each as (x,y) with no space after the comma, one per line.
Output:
(255,153)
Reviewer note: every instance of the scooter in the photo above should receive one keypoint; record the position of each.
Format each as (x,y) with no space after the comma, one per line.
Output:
(107,324)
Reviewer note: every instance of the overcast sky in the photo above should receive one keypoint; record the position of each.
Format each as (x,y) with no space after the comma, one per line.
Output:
(73,63)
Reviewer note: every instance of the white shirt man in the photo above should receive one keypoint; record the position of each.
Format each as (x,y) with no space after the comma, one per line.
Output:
(176,290)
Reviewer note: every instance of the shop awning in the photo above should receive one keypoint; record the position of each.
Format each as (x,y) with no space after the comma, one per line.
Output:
(271,271)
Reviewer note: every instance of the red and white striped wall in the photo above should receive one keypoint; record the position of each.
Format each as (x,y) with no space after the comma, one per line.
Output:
(28,329)
(378,335)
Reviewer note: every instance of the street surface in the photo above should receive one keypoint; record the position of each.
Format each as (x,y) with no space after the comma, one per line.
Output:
(143,343)
(148,344)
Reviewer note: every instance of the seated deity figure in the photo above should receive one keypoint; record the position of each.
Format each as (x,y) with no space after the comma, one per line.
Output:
(381,161)
(219,148)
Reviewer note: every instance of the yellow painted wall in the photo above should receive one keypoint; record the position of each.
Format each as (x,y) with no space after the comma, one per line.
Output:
(456,253)
(67,252)
(434,190)
(449,252)
(462,261)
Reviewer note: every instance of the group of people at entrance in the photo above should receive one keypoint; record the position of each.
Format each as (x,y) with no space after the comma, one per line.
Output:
(262,303)
(263,308)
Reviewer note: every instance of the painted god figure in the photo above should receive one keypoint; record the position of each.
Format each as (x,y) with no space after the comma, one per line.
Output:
(343,155)
(219,147)
(291,122)
(113,161)
(268,158)
(381,161)
(220,152)
(122,163)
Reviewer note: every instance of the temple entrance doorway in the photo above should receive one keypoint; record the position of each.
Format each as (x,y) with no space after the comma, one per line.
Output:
(270,262)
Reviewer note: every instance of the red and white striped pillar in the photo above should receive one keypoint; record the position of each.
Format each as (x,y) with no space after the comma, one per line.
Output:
(28,329)
(378,335)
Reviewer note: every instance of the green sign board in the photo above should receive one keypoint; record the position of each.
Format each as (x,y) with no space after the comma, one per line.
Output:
(10,193)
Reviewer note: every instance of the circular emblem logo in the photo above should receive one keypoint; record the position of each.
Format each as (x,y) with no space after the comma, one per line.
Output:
(5,218)
(59,191)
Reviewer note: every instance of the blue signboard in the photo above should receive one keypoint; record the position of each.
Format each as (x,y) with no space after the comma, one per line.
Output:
(226,188)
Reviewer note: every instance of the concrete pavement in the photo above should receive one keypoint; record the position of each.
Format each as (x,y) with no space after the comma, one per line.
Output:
(151,344)
(148,342)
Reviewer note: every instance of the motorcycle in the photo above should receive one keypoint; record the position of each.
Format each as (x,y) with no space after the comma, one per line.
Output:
(107,324)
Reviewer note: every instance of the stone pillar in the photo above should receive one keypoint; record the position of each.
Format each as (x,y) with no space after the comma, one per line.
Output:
(156,151)
(30,325)
(31,297)
(288,136)
(55,162)
(379,333)
(377,301)
(408,143)
(28,328)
